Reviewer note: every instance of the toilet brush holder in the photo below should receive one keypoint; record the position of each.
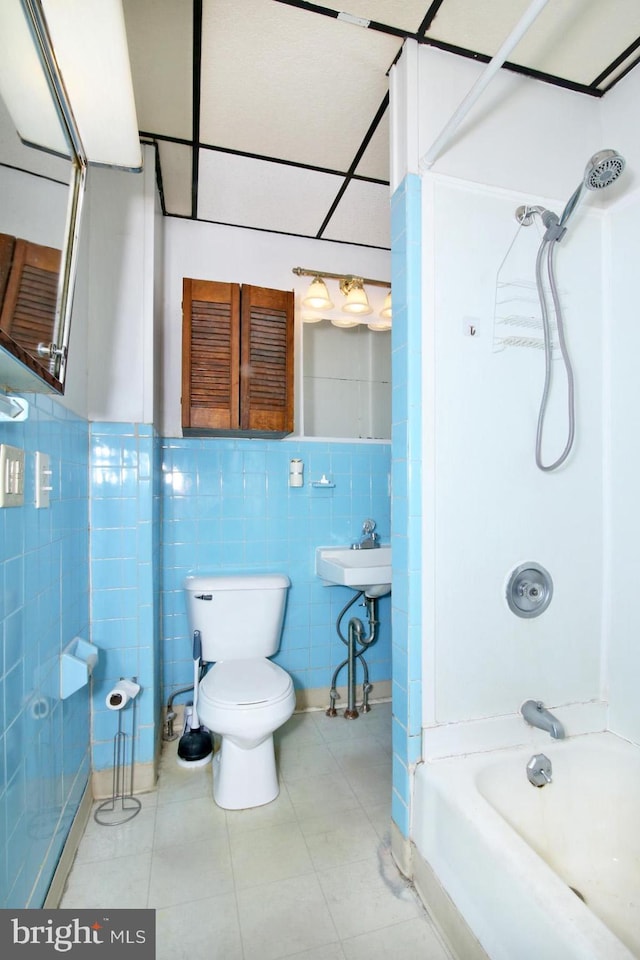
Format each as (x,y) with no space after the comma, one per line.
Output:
(122,806)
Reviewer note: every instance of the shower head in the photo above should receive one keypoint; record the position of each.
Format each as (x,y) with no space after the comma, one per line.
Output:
(603,168)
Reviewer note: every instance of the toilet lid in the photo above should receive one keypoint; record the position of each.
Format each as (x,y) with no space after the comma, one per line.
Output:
(245,682)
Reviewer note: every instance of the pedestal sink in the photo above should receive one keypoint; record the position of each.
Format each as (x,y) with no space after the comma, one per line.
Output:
(368,570)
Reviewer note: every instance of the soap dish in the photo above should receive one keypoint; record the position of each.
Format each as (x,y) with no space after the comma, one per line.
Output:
(323,482)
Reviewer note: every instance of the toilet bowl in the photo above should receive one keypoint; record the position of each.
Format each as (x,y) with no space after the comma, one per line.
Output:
(243,697)
(245,701)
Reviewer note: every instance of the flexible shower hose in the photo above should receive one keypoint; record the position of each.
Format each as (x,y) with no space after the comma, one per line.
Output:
(548,247)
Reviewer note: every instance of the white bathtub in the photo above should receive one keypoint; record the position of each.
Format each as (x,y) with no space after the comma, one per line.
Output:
(508,853)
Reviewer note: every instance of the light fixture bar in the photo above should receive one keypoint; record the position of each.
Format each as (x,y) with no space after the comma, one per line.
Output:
(304,272)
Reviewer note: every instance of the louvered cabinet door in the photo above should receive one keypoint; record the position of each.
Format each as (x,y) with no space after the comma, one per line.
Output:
(266,370)
(210,355)
(31,295)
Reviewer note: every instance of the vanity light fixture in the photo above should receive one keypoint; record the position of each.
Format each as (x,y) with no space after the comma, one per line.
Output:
(345,322)
(379,325)
(317,296)
(357,301)
(356,304)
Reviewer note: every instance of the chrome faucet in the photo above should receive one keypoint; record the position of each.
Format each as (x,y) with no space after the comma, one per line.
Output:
(535,713)
(539,770)
(369,537)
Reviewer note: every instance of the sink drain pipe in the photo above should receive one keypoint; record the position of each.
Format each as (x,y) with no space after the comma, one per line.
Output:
(355,638)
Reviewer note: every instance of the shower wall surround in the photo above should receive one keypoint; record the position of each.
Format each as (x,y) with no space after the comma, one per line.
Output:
(44,741)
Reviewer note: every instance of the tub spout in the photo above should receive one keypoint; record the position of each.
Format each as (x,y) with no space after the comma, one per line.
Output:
(535,713)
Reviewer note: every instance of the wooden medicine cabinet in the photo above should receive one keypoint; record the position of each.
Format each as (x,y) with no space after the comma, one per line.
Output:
(237,359)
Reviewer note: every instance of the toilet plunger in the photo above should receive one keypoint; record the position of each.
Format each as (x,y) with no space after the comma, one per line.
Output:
(194,746)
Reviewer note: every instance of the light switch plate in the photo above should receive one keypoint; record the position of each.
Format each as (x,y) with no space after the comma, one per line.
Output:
(11,476)
(43,479)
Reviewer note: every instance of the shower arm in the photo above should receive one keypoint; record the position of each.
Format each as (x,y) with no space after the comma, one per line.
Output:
(555,228)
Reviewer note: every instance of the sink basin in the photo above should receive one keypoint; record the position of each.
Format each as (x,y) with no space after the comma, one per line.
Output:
(368,570)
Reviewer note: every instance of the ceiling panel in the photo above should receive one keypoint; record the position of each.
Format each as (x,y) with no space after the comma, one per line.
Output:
(269,196)
(572,39)
(375,160)
(362,216)
(175,164)
(285,80)
(283,83)
(160,38)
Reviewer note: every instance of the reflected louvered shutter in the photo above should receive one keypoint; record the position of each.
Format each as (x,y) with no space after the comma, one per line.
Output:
(7,247)
(266,372)
(210,355)
(31,295)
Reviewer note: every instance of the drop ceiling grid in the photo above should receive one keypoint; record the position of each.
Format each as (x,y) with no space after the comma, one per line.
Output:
(268,196)
(160,40)
(569,38)
(363,215)
(281,83)
(404,14)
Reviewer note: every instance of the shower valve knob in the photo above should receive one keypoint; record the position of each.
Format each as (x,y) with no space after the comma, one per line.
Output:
(529,590)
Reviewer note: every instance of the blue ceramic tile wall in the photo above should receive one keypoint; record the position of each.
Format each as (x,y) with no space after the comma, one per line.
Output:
(228,507)
(44,741)
(406,473)
(125,582)
(157,510)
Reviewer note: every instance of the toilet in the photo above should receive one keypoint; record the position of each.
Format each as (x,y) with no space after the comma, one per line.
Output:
(243,697)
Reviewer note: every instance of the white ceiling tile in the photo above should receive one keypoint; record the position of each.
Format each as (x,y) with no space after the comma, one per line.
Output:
(375,159)
(269,196)
(280,82)
(175,165)
(573,39)
(362,216)
(160,39)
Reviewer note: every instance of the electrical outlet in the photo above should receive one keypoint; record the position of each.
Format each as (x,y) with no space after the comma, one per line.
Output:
(11,476)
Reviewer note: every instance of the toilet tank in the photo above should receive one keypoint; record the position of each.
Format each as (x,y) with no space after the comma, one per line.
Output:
(239,617)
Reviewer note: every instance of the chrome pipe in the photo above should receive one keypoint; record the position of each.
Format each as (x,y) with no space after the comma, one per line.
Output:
(356,630)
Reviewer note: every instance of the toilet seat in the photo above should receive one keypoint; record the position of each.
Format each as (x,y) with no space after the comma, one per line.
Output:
(245,684)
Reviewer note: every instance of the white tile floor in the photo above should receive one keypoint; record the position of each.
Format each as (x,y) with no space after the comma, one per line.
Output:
(307,877)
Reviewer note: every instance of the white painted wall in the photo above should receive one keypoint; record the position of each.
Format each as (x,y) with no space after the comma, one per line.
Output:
(493,508)
(487,507)
(121,249)
(522,134)
(212,252)
(622,350)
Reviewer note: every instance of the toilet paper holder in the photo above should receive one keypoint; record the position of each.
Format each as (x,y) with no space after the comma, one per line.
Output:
(122,806)
(76,664)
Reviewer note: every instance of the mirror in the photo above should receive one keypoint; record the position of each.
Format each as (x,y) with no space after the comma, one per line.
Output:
(42,175)
(346,382)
